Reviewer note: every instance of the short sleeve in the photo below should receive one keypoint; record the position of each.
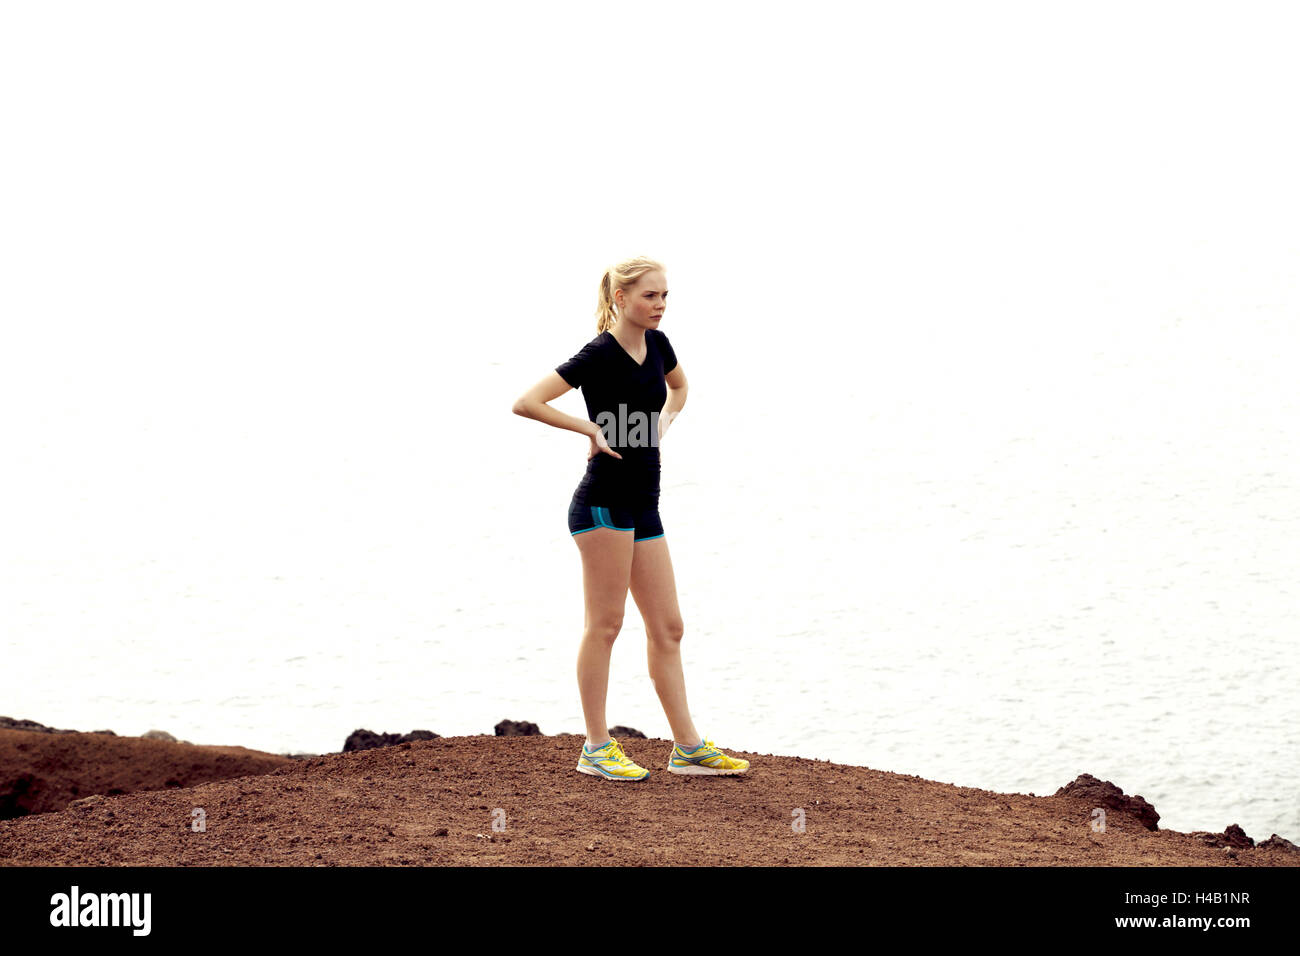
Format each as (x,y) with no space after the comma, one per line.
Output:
(670,357)
(580,369)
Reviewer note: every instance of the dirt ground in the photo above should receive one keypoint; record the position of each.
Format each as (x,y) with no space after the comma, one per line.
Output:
(486,800)
(41,772)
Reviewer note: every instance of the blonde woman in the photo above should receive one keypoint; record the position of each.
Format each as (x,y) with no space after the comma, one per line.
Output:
(625,374)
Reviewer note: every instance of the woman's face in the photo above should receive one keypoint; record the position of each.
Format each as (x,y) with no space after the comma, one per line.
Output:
(643,305)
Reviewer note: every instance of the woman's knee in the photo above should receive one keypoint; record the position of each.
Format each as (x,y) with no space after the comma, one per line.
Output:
(605,630)
(669,632)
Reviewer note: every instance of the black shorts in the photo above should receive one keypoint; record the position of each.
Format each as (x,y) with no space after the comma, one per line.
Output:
(642,520)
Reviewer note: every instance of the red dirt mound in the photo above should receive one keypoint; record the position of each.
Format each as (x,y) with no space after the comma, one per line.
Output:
(486,800)
(44,772)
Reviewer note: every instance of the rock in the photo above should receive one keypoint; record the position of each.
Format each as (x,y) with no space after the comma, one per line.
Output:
(516,728)
(1233,837)
(368,740)
(1276,842)
(9,723)
(1236,836)
(158,735)
(361,739)
(621,731)
(1103,793)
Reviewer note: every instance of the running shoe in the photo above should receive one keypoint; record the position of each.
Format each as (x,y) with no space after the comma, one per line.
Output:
(705,759)
(610,762)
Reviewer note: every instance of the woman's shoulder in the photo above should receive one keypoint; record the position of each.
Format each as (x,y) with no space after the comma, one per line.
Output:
(599,342)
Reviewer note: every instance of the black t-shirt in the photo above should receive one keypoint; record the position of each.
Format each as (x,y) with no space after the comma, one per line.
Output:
(625,400)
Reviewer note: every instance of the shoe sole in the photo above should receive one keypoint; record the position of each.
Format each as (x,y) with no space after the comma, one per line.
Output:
(695,770)
(605,776)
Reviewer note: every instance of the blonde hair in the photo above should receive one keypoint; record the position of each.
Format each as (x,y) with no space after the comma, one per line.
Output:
(622,275)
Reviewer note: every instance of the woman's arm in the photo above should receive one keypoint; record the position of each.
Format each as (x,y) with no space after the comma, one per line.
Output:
(532,404)
(676,382)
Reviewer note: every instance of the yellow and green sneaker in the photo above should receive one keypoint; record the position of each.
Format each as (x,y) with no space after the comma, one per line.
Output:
(610,762)
(705,759)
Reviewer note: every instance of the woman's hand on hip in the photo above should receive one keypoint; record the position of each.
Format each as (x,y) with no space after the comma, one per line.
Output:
(598,445)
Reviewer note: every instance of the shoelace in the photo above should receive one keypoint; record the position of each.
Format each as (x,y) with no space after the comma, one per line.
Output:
(617,753)
(723,759)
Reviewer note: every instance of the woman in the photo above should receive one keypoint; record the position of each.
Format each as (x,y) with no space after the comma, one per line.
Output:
(625,373)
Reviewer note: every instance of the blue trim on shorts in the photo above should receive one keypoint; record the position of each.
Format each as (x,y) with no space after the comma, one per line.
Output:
(603,516)
(644,517)
(603,520)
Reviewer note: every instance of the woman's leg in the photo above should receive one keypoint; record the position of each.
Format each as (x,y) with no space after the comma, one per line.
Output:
(655,592)
(606,566)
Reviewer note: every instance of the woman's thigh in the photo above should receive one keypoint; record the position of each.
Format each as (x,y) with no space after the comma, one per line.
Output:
(654,589)
(606,571)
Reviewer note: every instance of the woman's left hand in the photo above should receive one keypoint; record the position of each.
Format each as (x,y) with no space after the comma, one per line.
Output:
(664,422)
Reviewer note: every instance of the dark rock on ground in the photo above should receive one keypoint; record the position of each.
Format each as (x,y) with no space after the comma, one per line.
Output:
(1276,842)
(621,731)
(516,728)
(1103,793)
(362,739)
(1234,836)
(9,723)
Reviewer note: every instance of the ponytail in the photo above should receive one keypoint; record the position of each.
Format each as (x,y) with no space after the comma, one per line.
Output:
(605,315)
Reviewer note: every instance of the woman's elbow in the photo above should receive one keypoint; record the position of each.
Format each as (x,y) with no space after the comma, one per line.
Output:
(521,407)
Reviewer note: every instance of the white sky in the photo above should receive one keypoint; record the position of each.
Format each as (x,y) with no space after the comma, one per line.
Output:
(246,245)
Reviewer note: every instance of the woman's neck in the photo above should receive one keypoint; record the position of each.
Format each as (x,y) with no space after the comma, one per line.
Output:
(633,337)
